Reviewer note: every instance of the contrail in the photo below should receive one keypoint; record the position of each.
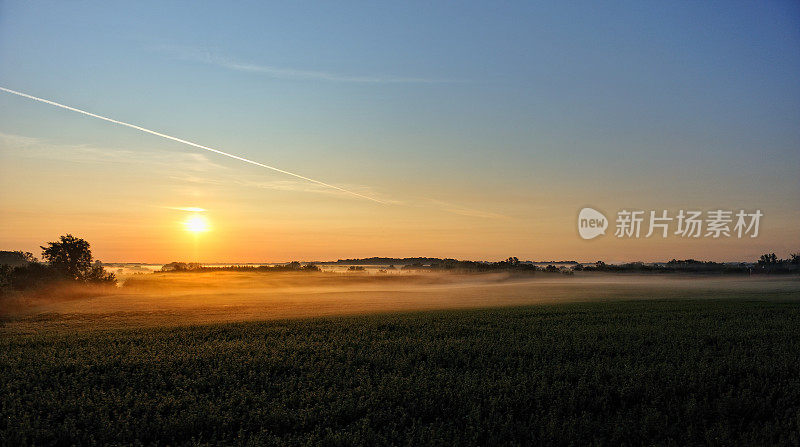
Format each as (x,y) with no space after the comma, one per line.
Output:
(199,146)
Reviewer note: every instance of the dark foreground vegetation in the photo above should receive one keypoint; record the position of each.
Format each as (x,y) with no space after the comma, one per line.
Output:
(643,372)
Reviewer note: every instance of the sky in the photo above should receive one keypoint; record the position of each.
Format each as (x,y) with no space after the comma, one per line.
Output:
(481,128)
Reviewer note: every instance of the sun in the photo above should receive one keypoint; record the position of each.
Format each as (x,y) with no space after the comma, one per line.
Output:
(196,224)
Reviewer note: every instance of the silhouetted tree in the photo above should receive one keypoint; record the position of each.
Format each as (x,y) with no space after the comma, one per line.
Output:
(181,267)
(70,256)
(72,259)
(294,265)
(16,258)
(768,259)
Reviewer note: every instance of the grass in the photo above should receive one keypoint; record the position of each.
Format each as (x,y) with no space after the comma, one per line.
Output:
(633,372)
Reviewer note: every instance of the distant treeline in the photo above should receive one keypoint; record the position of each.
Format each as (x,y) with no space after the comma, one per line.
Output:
(766,264)
(69,260)
(384,261)
(433,264)
(418,261)
(196,267)
(510,264)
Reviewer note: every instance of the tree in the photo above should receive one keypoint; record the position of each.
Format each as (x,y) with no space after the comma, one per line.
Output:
(97,274)
(16,258)
(181,267)
(294,265)
(311,268)
(72,259)
(768,259)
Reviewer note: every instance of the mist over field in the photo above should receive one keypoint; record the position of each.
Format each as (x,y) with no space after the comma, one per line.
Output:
(183,298)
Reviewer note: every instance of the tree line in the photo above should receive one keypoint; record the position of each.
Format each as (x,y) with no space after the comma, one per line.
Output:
(68,260)
(293,266)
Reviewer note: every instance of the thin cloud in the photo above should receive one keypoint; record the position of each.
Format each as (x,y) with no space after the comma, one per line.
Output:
(465,211)
(209,58)
(187,208)
(31,147)
(293,185)
(186,142)
(195,168)
(221,180)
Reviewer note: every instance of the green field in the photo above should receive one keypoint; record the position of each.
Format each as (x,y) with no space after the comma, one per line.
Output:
(626,372)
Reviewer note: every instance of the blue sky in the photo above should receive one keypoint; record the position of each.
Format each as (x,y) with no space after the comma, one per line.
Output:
(493,107)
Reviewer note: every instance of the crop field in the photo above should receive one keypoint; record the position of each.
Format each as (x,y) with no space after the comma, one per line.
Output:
(658,371)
